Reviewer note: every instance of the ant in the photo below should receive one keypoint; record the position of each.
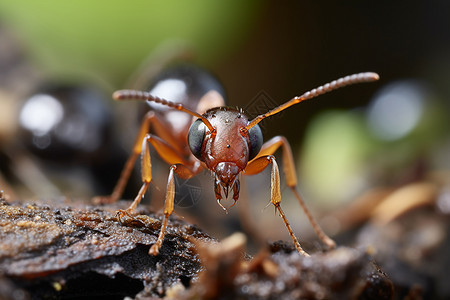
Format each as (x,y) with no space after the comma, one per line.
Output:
(223,140)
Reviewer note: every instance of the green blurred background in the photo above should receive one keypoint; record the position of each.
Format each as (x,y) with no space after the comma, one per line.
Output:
(352,147)
(110,39)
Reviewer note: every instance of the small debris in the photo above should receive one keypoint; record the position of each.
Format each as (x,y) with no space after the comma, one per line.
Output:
(343,273)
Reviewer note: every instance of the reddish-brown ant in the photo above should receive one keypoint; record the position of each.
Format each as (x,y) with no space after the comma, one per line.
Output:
(222,140)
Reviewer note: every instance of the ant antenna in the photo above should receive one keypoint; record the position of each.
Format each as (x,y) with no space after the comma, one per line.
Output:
(335,84)
(140,95)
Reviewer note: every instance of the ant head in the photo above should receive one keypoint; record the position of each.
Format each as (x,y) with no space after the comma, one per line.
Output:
(227,150)
(229,142)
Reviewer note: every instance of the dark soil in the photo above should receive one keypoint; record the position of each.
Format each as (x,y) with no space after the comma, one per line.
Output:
(77,251)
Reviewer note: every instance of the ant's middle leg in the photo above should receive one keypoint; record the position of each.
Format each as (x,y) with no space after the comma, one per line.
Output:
(269,148)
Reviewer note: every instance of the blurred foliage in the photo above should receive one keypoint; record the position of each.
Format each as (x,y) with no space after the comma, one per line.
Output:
(336,147)
(343,155)
(111,38)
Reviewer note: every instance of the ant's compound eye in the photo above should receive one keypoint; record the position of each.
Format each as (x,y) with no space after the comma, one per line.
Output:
(256,140)
(196,137)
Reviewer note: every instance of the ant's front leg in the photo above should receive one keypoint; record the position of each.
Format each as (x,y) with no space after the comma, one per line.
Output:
(269,148)
(183,172)
(257,166)
(162,129)
(167,152)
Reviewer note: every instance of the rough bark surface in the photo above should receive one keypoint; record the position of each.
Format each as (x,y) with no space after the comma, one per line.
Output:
(76,251)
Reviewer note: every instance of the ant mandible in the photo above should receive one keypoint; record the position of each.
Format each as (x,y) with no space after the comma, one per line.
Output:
(223,140)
